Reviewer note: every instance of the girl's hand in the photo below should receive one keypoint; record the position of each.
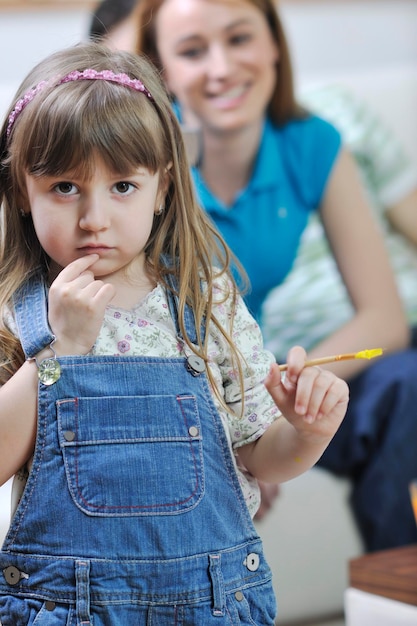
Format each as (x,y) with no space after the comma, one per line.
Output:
(77,302)
(313,400)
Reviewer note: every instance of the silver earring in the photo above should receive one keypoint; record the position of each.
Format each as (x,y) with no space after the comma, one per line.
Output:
(22,213)
(160,209)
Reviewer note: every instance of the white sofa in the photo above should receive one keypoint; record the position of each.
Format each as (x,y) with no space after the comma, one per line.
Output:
(310,535)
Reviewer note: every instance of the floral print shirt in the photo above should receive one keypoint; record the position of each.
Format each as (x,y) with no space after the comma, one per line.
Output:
(148,330)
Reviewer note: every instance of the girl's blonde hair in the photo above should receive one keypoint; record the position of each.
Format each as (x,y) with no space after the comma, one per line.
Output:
(283,105)
(62,128)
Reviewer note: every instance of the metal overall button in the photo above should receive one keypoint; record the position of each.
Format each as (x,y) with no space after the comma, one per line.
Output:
(50,605)
(12,575)
(195,365)
(193,431)
(69,435)
(49,371)
(252,562)
(239,596)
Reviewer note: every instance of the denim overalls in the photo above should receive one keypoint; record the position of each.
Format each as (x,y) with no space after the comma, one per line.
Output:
(132,513)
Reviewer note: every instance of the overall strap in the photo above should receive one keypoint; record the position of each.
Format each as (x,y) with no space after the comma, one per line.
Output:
(30,306)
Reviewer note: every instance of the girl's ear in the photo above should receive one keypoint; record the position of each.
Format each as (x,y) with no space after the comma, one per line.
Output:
(24,208)
(23,201)
(163,189)
(165,180)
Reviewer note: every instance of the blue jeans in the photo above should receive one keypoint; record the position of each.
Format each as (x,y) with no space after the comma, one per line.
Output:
(376,446)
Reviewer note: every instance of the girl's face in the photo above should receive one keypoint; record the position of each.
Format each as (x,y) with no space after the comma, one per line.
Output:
(219,59)
(109,215)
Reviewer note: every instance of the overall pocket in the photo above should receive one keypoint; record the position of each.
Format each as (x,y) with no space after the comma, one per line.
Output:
(253,606)
(16,611)
(132,455)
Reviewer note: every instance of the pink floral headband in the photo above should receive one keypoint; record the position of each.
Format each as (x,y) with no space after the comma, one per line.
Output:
(89,74)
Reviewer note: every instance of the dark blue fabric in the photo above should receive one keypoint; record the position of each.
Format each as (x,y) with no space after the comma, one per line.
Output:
(376,446)
(414,337)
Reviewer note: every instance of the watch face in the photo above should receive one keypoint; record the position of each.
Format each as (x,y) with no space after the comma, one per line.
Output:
(49,371)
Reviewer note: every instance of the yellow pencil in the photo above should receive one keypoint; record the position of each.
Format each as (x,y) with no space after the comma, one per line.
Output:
(363,354)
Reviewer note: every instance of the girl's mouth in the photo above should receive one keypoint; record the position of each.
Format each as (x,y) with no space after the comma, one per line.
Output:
(94,249)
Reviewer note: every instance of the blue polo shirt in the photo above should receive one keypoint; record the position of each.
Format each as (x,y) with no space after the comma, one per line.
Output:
(264,225)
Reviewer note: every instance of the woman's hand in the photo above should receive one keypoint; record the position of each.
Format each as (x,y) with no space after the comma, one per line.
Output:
(313,400)
(77,302)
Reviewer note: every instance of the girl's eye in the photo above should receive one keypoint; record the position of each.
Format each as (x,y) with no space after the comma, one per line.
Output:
(65,189)
(124,187)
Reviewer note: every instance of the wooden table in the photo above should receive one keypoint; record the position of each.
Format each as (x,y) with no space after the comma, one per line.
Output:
(383,589)
(388,573)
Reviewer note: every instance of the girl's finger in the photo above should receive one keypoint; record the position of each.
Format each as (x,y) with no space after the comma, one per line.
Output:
(77,267)
(296,360)
(337,395)
(312,388)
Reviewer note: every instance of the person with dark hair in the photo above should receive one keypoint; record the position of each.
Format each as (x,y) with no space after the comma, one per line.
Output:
(111,23)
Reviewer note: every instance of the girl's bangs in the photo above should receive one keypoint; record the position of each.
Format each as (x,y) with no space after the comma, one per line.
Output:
(79,121)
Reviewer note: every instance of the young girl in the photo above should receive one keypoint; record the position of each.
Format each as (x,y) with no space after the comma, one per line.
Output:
(133,375)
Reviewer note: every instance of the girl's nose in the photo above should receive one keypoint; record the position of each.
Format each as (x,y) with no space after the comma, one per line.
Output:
(94,215)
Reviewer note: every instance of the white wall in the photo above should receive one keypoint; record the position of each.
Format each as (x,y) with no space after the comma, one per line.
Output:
(28,36)
(327,37)
(367,45)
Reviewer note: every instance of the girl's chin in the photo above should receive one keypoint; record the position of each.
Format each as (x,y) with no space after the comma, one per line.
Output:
(54,270)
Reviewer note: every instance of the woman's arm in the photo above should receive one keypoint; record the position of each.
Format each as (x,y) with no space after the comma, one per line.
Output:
(403,217)
(359,250)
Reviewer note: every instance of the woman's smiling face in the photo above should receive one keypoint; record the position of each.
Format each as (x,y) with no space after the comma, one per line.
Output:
(219,59)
